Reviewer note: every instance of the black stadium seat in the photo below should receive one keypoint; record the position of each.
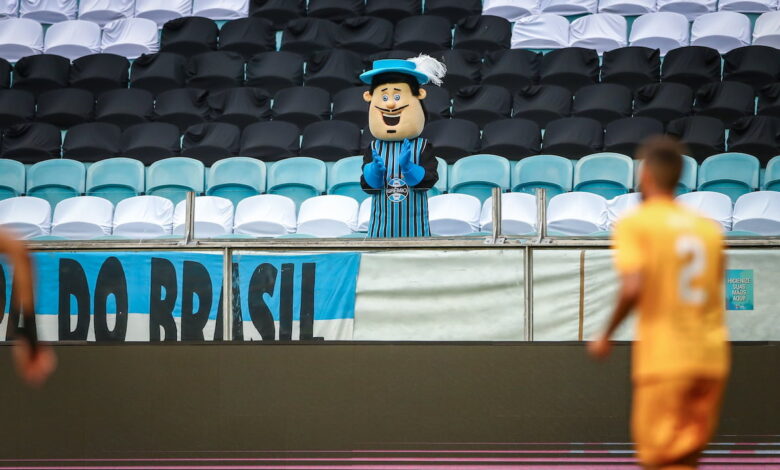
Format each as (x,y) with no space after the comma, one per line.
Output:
(756,66)
(278,12)
(211,141)
(92,141)
(65,107)
(437,102)
(330,140)
(769,100)
(182,107)
(692,65)
(16,107)
(247,36)
(306,36)
(512,69)
(542,103)
(632,67)
(453,139)
(365,35)
(482,104)
(453,10)
(703,135)
(150,141)
(100,72)
(335,10)
(125,107)
(663,101)
(571,67)
(391,54)
(31,142)
(429,34)
(270,140)
(189,36)
(727,101)
(158,72)
(573,137)
(5,73)
(756,135)
(349,105)
(483,33)
(215,70)
(512,138)
(625,135)
(301,105)
(393,10)
(604,102)
(463,69)
(333,70)
(273,71)
(42,72)
(240,106)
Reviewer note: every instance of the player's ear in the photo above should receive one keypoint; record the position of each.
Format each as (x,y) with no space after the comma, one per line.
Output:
(366,96)
(422,94)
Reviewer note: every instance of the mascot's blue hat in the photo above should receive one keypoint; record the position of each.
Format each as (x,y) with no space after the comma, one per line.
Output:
(406,67)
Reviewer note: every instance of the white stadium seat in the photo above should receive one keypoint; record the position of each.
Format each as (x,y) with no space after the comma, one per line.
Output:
(545,31)
(577,213)
(662,30)
(105,11)
(82,218)
(748,6)
(266,215)
(20,37)
(364,214)
(722,30)
(569,7)
(767,30)
(627,7)
(758,212)
(602,31)
(454,214)
(518,214)
(9,8)
(690,8)
(619,206)
(143,217)
(48,11)
(328,216)
(512,10)
(27,217)
(130,37)
(162,11)
(213,217)
(220,9)
(72,39)
(715,206)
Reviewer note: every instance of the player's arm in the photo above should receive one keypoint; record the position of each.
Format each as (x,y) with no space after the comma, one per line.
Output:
(17,255)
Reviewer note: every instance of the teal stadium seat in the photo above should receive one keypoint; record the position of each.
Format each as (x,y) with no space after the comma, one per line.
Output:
(298,178)
(606,174)
(173,178)
(550,172)
(344,178)
(732,174)
(116,179)
(477,175)
(55,180)
(688,178)
(236,178)
(11,178)
(772,175)
(441,185)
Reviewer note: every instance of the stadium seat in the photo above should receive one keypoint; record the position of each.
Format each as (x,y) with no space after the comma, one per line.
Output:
(65,107)
(438,103)
(39,73)
(606,174)
(631,67)
(82,218)
(542,103)
(441,184)
(572,68)
(483,33)
(453,215)
(604,102)
(619,206)
(333,70)
(189,36)
(55,180)
(463,69)
(5,73)
(511,10)
(756,135)
(270,141)
(690,8)
(274,71)
(130,37)
(688,178)
(625,135)
(766,31)
(703,135)
(240,106)
(727,101)
(48,11)
(747,6)
(301,105)
(159,72)
(236,178)
(335,10)
(12,178)
(298,178)
(16,107)
(482,104)
(328,216)
(453,138)
(365,35)
(211,141)
(213,217)
(573,136)
(31,142)
(72,39)
(26,217)
(550,172)
(577,213)
(544,31)
(713,205)
(755,65)
(173,178)
(124,107)
(344,178)
(568,7)
(453,10)
(151,141)
(769,100)
(732,174)
(247,36)
(722,30)
(423,33)
(758,212)
(215,70)
(105,11)
(92,141)
(364,214)
(220,9)
(692,66)
(330,140)
(393,10)
(278,12)
(9,9)
(770,180)
(512,69)
(627,7)
(116,179)
(599,31)
(349,105)
(267,215)
(162,11)
(100,72)
(143,217)
(663,101)
(183,107)
(477,175)
(512,138)
(306,36)
(518,214)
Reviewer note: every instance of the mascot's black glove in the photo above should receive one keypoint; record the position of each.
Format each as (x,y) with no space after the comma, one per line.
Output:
(412,173)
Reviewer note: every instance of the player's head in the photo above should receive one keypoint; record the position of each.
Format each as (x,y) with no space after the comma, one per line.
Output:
(662,159)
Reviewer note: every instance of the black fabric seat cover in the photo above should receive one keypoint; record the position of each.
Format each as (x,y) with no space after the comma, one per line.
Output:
(16,107)
(182,107)
(769,100)
(463,69)
(273,71)
(393,10)
(31,142)
(247,36)
(392,54)
(335,10)
(5,73)
(663,101)
(423,33)
(92,142)
(330,140)
(333,70)
(437,103)
(365,35)
(159,72)
(625,135)
(603,102)
(100,72)
(125,107)
(482,104)
(632,67)
(453,138)
(240,106)
(512,138)
(512,69)
(349,105)
(189,35)
(453,10)
(65,107)
(270,140)
(278,12)
(306,36)
(301,105)
(756,66)
(211,141)
(756,135)
(691,65)
(150,141)
(727,101)
(542,103)
(703,135)
(483,33)
(42,72)
(572,68)
(215,70)
(573,137)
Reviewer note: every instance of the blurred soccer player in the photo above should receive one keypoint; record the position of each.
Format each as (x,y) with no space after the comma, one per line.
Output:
(671,263)
(34,361)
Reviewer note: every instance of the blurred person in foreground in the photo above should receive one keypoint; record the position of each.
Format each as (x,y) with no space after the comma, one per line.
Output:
(34,361)
(670,261)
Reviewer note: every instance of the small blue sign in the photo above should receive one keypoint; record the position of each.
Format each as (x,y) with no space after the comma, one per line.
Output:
(739,289)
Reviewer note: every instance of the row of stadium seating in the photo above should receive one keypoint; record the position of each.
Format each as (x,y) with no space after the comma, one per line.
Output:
(516,9)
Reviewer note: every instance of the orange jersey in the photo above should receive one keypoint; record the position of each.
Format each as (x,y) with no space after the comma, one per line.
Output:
(679,254)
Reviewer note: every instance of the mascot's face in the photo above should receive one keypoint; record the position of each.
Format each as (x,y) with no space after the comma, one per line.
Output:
(394,112)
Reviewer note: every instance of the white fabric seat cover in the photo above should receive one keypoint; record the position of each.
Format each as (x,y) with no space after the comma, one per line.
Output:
(220,9)
(27,217)
(710,204)
(20,37)
(662,30)
(143,217)
(9,8)
(162,11)
(627,7)
(105,11)
(364,215)
(690,8)
(545,31)
(518,214)
(748,6)
(767,30)
(569,7)
(48,11)
(73,39)
(722,30)
(453,214)
(131,37)
(82,218)
(512,10)
(758,212)
(213,217)
(266,215)
(328,216)
(577,213)
(602,31)
(621,205)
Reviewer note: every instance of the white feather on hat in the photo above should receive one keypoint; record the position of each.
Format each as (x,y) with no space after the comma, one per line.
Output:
(431,67)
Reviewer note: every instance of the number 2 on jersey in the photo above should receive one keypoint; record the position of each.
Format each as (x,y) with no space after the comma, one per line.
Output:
(691,249)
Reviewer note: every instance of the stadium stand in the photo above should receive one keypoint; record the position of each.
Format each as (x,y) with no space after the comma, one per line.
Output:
(550,172)
(518,214)
(143,217)
(328,216)
(454,214)
(577,213)
(92,142)
(12,182)
(267,215)
(116,179)
(213,217)
(82,218)
(477,175)
(28,217)
(16,107)
(716,206)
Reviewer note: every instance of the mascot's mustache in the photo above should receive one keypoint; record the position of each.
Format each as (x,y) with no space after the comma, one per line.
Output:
(391,110)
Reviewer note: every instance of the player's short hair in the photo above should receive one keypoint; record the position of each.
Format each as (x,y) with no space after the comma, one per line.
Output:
(662,156)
